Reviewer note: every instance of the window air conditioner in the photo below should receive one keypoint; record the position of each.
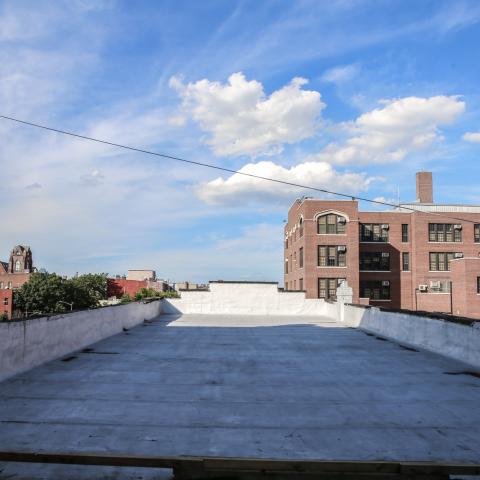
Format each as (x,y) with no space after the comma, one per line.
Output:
(423,288)
(341,248)
(385,226)
(436,284)
(342,220)
(385,283)
(457,226)
(458,255)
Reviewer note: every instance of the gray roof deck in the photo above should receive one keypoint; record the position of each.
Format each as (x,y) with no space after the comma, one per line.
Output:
(269,387)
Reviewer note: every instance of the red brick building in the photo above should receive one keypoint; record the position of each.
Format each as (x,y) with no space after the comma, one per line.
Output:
(13,274)
(423,260)
(117,287)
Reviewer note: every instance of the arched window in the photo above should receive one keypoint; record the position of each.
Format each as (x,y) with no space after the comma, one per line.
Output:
(301,226)
(17,266)
(331,223)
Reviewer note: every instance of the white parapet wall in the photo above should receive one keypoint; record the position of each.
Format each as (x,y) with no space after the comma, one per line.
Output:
(28,343)
(247,298)
(455,340)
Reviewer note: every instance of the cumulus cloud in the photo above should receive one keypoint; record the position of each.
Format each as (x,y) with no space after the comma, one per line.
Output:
(472,137)
(242,189)
(240,119)
(389,133)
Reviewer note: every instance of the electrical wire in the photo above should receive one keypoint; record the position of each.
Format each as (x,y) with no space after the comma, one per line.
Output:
(228,170)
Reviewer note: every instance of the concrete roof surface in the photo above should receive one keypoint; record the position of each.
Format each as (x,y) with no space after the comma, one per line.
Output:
(241,386)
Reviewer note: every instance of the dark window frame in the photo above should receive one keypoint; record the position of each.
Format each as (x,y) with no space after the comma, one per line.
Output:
(374,290)
(374,261)
(476,233)
(444,233)
(405,261)
(440,261)
(300,284)
(332,224)
(405,232)
(478,285)
(300,257)
(330,287)
(373,232)
(337,260)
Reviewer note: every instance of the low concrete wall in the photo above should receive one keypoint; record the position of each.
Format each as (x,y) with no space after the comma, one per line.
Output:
(460,342)
(28,343)
(248,299)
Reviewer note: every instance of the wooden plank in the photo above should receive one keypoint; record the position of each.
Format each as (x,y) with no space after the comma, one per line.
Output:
(225,464)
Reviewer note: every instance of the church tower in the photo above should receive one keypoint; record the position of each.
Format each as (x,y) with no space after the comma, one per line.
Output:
(20,260)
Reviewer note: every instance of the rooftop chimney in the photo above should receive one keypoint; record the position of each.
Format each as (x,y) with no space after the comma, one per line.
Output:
(424,187)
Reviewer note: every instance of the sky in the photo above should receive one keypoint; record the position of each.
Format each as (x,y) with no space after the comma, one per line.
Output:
(352,96)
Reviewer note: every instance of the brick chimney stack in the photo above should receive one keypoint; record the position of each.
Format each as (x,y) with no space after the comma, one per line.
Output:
(424,187)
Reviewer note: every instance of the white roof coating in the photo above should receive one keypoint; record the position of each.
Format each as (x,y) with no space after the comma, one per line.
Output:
(236,386)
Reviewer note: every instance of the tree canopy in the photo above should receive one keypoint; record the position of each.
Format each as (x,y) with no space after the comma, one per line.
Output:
(50,293)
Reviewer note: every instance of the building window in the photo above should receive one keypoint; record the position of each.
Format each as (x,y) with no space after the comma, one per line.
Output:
(375,290)
(5,301)
(17,266)
(300,284)
(476,234)
(331,224)
(374,232)
(444,232)
(1,285)
(440,261)
(301,227)
(404,232)
(10,285)
(286,265)
(405,261)
(327,287)
(286,243)
(300,258)
(375,261)
(478,284)
(332,256)
(294,284)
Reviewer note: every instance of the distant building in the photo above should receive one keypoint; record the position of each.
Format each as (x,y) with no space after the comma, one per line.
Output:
(189,286)
(13,274)
(428,259)
(142,275)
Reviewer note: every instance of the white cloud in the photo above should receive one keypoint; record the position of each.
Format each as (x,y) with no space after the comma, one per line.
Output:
(240,189)
(340,74)
(389,133)
(92,179)
(472,137)
(241,120)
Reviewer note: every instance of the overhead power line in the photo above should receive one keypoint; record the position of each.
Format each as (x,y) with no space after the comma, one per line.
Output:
(228,170)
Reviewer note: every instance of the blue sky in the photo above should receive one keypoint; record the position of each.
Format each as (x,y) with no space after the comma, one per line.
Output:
(353,96)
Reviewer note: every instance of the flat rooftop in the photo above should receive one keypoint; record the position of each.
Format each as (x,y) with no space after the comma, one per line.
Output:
(241,386)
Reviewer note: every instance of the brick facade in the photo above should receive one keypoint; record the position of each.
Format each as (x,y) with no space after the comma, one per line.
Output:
(406,236)
(13,274)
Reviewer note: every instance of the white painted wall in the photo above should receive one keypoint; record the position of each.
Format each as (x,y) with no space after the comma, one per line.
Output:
(247,299)
(460,342)
(28,343)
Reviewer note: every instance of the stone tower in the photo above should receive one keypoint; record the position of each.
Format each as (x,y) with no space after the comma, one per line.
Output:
(20,260)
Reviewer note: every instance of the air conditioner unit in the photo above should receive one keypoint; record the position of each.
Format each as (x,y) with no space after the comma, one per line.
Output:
(341,248)
(385,226)
(458,255)
(423,288)
(385,254)
(436,284)
(342,220)
(385,283)
(457,226)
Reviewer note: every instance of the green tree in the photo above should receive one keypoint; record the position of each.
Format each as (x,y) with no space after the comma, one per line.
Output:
(43,293)
(87,290)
